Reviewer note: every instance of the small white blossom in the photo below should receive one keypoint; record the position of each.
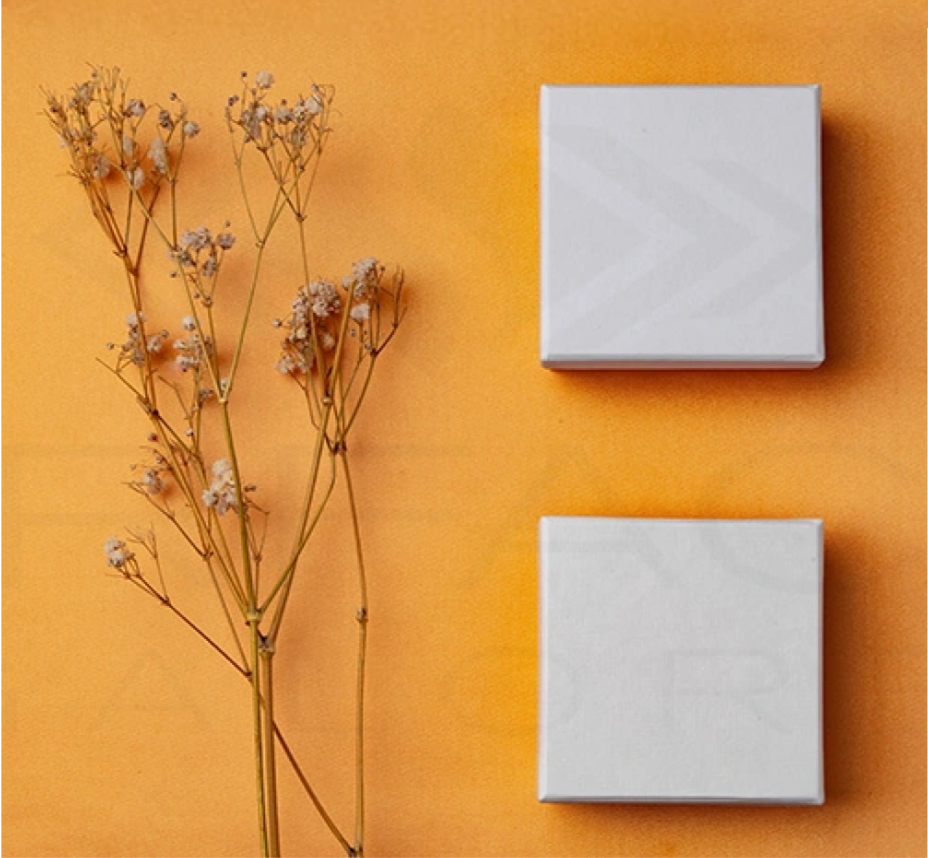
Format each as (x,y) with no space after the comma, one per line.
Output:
(225,240)
(136,178)
(196,239)
(191,129)
(152,482)
(133,348)
(135,107)
(220,495)
(101,167)
(361,312)
(286,364)
(364,268)
(117,554)
(82,94)
(364,276)
(325,298)
(158,154)
(191,351)
(264,80)
(188,323)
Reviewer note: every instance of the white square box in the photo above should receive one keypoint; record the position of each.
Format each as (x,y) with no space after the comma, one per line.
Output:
(681,227)
(680,661)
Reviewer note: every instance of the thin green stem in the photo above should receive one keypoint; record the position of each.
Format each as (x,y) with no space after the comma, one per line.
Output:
(237,158)
(250,589)
(257,715)
(183,617)
(225,608)
(301,537)
(162,599)
(362,618)
(307,787)
(284,578)
(270,758)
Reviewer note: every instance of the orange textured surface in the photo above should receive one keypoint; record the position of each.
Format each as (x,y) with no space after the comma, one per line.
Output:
(123,736)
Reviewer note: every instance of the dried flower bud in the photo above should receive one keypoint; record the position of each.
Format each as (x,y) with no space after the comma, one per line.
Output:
(135,107)
(136,178)
(325,298)
(117,554)
(220,495)
(158,154)
(101,167)
(196,239)
(152,482)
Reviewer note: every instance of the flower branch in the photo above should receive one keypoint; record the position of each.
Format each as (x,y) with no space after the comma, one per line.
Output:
(128,157)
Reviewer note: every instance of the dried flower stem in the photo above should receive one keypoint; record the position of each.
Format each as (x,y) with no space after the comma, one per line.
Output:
(103,130)
(363,616)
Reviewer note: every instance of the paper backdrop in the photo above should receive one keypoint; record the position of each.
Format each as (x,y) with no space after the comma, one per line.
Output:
(124,736)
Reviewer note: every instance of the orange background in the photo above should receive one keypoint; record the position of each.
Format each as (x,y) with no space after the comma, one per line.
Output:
(123,735)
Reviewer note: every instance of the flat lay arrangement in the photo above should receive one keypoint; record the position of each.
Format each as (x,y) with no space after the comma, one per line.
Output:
(460,429)
(620,657)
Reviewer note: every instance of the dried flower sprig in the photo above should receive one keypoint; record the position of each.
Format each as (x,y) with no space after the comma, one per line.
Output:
(127,154)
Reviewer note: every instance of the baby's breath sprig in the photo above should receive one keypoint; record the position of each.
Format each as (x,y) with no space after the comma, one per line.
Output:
(127,154)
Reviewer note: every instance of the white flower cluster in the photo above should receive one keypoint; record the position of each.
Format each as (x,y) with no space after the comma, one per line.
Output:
(200,249)
(264,123)
(193,349)
(152,481)
(117,553)
(96,102)
(136,345)
(315,313)
(323,298)
(158,155)
(220,495)
(366,274)
(314,303)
